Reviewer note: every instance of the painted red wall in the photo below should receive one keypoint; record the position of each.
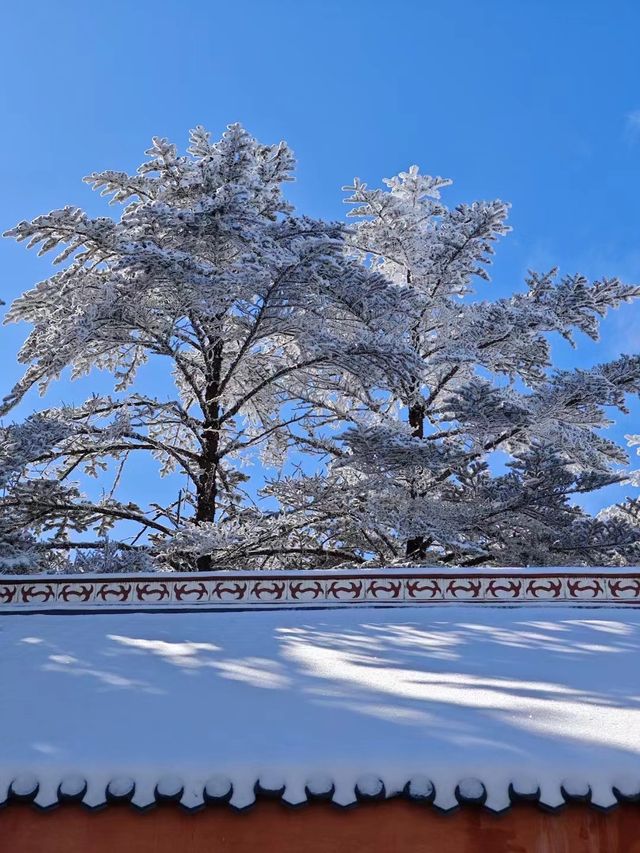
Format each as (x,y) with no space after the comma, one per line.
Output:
(393,826)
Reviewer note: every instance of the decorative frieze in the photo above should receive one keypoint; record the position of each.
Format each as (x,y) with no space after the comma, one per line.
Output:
(315,589)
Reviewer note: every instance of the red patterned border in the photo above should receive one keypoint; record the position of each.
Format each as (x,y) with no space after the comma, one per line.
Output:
(313,589)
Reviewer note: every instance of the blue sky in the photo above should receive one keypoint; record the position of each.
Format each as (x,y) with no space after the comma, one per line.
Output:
(535,102)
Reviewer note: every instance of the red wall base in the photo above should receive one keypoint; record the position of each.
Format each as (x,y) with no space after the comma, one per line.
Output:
(393,826)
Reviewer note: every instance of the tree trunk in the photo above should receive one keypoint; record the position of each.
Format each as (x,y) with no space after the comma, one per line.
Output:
(207,486)
(206,492)
(416,548)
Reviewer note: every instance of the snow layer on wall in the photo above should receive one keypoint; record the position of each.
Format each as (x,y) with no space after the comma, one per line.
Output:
(451,703)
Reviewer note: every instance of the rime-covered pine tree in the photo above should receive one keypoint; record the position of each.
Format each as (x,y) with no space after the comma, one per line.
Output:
(269,332)
(415,482)
(361,350)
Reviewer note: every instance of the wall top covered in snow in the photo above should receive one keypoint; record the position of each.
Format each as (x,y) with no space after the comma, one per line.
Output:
(256,590)
(445,704)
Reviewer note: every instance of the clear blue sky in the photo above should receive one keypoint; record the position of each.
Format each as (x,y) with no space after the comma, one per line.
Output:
(533,101)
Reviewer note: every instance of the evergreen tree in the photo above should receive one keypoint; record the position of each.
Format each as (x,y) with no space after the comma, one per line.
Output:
(265,323)
(361,349)
(416,485)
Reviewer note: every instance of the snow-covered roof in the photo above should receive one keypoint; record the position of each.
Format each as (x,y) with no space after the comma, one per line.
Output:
(445,702)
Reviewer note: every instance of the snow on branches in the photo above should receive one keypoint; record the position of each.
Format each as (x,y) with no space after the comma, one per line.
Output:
(358,350)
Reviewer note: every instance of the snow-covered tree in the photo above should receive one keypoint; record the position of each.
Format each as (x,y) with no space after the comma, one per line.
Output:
(266,324)
(416,484)
(362,349)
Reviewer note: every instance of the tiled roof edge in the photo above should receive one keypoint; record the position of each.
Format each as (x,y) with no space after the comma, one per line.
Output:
(193,796)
